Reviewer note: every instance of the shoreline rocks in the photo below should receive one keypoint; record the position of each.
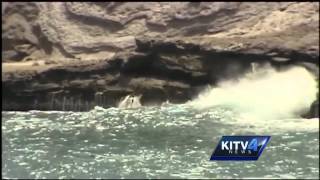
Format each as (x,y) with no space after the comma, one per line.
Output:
(73,56)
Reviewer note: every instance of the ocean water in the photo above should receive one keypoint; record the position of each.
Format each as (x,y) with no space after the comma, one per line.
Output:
(173,141)
(170,141)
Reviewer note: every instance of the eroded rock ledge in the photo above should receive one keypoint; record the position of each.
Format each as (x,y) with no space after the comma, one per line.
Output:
(73,56)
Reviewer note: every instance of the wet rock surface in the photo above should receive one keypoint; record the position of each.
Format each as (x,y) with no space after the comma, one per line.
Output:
(75,55)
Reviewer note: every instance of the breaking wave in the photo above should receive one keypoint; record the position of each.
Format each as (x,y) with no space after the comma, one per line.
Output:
(264,93)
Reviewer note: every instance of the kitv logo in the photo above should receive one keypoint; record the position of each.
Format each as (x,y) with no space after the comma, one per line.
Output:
(240,148)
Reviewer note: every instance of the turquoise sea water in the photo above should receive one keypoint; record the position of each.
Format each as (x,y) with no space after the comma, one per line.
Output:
(172,141)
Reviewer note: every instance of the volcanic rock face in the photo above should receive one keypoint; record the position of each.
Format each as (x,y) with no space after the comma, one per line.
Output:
(74,55)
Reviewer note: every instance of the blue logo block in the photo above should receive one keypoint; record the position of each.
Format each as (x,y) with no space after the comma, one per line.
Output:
(240,148)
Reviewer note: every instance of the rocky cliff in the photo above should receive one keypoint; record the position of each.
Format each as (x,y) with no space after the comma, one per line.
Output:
(75,55)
